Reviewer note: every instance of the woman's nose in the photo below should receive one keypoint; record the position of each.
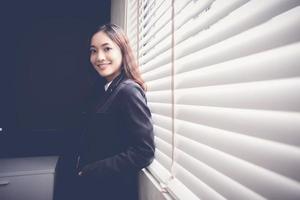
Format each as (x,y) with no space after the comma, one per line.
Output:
(100,56)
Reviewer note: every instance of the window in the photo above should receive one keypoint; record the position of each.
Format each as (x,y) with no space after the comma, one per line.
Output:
(224,87)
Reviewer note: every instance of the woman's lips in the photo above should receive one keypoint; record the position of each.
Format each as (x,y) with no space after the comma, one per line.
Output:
(103,65)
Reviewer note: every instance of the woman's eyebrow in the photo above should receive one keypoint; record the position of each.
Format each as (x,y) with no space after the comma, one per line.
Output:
(104,44)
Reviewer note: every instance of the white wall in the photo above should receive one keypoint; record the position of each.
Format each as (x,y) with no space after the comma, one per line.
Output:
(118,12)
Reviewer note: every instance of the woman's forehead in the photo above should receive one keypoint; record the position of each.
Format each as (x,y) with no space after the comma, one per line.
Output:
(101,39)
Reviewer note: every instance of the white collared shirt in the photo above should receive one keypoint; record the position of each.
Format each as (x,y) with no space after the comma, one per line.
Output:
(107,85)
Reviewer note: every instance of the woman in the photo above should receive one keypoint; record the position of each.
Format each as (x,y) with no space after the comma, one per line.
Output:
(118,141)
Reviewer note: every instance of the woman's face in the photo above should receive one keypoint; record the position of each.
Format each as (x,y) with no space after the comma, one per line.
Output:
(106,56)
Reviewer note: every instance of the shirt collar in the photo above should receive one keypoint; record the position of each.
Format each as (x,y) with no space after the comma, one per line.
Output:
(107,85)
(115,82)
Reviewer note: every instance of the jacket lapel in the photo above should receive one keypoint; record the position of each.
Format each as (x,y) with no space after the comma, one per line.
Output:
(109,94)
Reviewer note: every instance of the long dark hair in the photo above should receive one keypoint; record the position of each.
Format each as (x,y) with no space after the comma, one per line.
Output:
(130,65)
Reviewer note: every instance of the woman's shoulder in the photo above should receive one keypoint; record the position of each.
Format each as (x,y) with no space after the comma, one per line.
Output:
(131,88)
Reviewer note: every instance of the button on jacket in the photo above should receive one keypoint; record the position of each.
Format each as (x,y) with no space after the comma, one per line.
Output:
(118,141)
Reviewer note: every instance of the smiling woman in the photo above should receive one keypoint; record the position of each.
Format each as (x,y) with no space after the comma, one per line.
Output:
(118,141)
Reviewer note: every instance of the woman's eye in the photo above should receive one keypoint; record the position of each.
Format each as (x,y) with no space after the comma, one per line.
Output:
(106,49)
(92,50)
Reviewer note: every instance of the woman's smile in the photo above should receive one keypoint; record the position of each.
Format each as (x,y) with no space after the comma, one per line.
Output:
(103,65)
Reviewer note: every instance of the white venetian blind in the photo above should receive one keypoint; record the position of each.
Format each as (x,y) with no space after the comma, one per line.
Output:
(224,91)
(155,28)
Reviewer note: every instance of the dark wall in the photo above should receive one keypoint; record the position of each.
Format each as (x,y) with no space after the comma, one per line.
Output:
(45,72)
(45,76)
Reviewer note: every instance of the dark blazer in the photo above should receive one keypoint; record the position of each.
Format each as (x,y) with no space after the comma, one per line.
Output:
(117,143)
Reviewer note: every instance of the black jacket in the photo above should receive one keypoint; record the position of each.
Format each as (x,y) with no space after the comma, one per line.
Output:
(118,140)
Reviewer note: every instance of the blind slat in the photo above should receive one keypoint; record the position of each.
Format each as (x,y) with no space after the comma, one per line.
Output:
(159,96)
(271,125)
(162,121)
(158,25)
(163,42)
(217,11)
(160,84)
(280,158)
(157,73)
(164,147)
(150,12)
(163,59)
(161,108)
(280,31)
(163,159)
(163,134)
(154,27)
(248,16)
(258,179)
(267,95)
(200,172)
(187,186)
(276,63)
